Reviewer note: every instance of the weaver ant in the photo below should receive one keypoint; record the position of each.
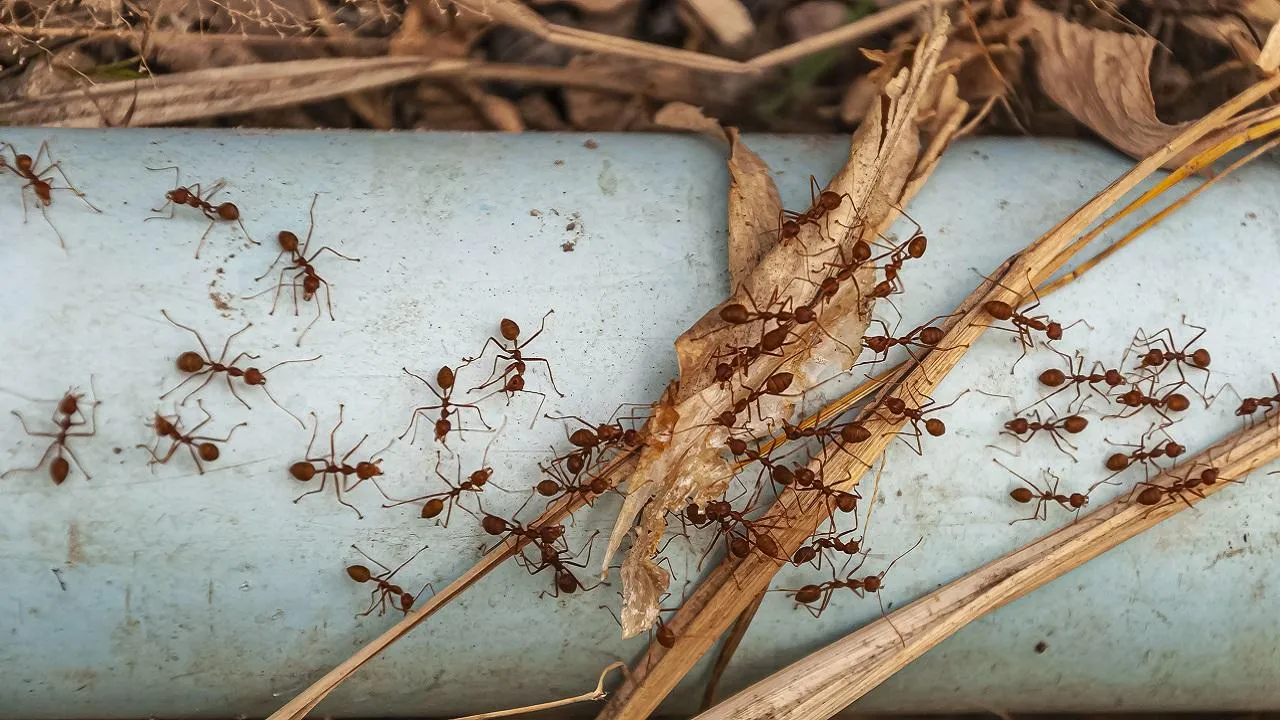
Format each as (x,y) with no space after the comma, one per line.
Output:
(512,377)
(565,581)
(740,534)
(64,418)
(192,196)
(1135,399)
(446,500)
(1075,377)
(821,593)
(306,272)
(1152,494)
(542,535)
(914,248)
(933,426)
(306,470)
(25,167)
(925,336)
(817,547)
(1024,323)
(1073,424)
(1043,496)
(201,447)
(1157,359)
(601,437)
(384,590)
(558,485)
(1251,405)
(1119,462)
(445,379)
(195,365)
(823,202)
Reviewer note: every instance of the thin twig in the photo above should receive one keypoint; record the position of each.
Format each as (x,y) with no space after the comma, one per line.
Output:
(736,633)
(597,694)
(820,685)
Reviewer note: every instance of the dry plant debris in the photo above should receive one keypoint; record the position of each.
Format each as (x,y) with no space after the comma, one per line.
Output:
(1131,73)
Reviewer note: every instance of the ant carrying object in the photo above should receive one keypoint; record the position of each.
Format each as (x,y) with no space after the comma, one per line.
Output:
(305,274)
(384,592)
(445,378)
(38,181)
(193,196)
(1043,496)
(195,365)
(512,377)
(65,416)
(325,466)
(201,447)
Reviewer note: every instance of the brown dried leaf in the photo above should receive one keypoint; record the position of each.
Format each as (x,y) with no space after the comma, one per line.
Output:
(727,20)
(593,7)
(754,206)
(885,156)
(1269,58)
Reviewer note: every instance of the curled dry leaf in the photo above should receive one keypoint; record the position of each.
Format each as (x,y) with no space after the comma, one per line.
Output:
(884,162)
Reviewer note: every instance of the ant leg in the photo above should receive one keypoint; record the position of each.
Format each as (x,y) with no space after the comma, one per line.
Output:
(247,236)
(45,214)
(544,361)
(337,489)
(335,252)
(203,237)
(58,166)
(208,373)
(298,342)
(226,347)
(541,326)
(35,467)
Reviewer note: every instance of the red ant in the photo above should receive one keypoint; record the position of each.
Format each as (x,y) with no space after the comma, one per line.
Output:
(542,535)
(384,590)
(933,426)
(192,196)
(839,434)
(445,379)
(195,365)
(740,533)
(1134,399)
(1024,323)
(1157,359)
(1119,462)
(823,202)
(1077,378)
(600,438)
(1152,495)
(925,336)
(557,485)
(841,500)
(821,593)
(815,550)
(512,378)
(914,248)
(1073,424)
(306,271)
(1043,496)
(38,181)
(201,447)
(306,470)
(446,500)
(565,581)
(1251,405)
(64,418)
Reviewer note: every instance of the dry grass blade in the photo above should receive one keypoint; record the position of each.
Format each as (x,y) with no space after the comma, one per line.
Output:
(736,633)
(822,684)
(183,97)
(597,694)
(732,585)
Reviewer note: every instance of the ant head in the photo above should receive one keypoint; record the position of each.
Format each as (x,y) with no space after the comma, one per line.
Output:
(481,476)
(599,486)
(1074,424)
(208,451)
(1209,476)
(310,284)
(189,362)
(228,211)
(288,241)
(728,418)
(1052,377)
(302,471)
(510,330)
(547,488)
(1132,398)
(432,508)
(1248,406)
(359,573)
(877,343)
(1177,402)
(406,602)
(1113,378)
(445,378)
(1021,495)
(998,309)
(1200,358)
(366,470)
(805,315)
(724,372)
(936,427)
(550,533)
(160,423)
(254,376)
(70,403)
(493,524)
(735,313)
(1117,462)
(59,469)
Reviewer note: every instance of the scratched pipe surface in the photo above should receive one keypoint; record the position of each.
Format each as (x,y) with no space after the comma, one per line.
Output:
(171,593)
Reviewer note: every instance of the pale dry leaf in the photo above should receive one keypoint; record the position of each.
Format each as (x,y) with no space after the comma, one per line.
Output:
(501,113)
(727,20)
(1269,58)
(691,465)
(754,209)
(690,118)
(865,90)
(593,7)
(1102,78)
